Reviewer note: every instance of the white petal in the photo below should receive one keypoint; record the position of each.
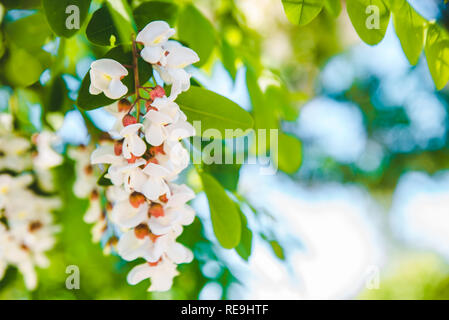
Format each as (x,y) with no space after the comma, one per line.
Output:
(152,54)
(131,129)
(139,273)
(116,89)
(110,67)
(180,56)
(138,146)
(156,171)
(104,154)
(155,33)
(179,253)
(154,188)
(155,134)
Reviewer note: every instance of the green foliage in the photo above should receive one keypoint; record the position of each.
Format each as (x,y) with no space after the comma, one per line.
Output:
(57,15)
(155,10)
(333,7)
(301,12)
(246,239)
(364,20)
(214,111)
(264,113)
(22,69)
(196,32)
(277,249)
(410,29)
(122,54)
(101,27)
(226,220)
(437,53)
(112,23)
(289,157)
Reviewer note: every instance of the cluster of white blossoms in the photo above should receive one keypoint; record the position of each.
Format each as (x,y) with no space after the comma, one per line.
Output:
(26,223)
(146,206)
(86,187)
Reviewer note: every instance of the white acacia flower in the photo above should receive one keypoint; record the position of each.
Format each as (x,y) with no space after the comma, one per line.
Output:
(46,157)
(156,185)
(94,211)
(172,218)
(118,114)
(127,216)
(133,245)
(133,144)
(86,180)
(128,175)
(175,159)
(153,36)
(106,76)
(161,274)
(175,211)
(155,120)
(172,72)
(179,130)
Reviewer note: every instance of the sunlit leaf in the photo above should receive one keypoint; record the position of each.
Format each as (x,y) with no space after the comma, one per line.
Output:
(370,19)
(302,12)
(246,240)
(410,28)
(225,218)
(289,156)
(213,110)
(333,7)
(437,54)
(196,31)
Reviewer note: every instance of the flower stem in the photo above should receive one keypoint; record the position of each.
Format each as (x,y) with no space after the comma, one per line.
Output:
(136,78)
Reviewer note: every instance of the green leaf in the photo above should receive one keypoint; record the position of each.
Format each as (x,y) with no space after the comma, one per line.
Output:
(110,21)
(226,174)
(57,96)
(370,19)
(196,32)
(437,54)
(226,220)
(410,28)
(264,113)
(155,10)
(29,33)
(301,12)
(277,249)
(228,58)
(21,68)
(122,54)
(21,4)
(214,111)
(289,157)
(246,239)
(59,18)
(103,181)
(333,7)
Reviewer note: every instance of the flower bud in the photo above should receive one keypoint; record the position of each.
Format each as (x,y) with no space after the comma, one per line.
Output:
(136,199)
(156,210)
(124,105)
(141,231)
(128,120)
(157,92)
(163,198)
(118,146)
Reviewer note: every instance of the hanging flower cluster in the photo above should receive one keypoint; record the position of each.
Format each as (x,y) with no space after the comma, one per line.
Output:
(146,206)
(26,223)
(86,187)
